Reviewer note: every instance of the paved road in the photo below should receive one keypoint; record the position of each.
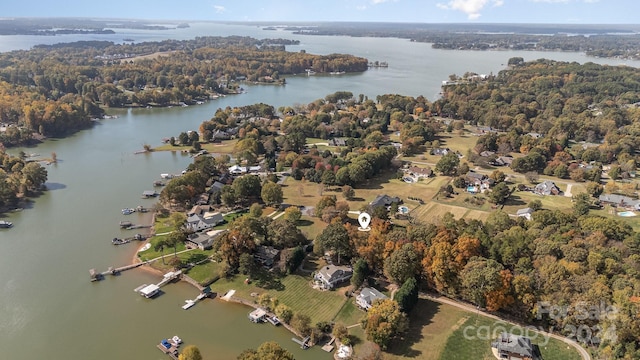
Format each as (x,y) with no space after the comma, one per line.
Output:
(443,300)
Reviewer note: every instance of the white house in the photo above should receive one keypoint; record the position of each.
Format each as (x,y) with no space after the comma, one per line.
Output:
(525,213)
(329,276)
(197,222)
(367,297)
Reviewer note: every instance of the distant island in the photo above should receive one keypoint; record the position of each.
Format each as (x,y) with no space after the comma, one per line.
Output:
(65,26)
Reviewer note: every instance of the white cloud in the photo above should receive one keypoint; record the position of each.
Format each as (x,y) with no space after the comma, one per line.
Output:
(361,7)
(376,2)
(470,7)
(564,1)
(219,9)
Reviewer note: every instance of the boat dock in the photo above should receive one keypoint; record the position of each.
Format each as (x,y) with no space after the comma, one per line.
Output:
(128,225)
(138,237)
(304,343)
(172,351)
(151,290)
(189,303)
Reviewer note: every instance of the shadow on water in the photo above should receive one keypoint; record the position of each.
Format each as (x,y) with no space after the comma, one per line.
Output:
(55,186)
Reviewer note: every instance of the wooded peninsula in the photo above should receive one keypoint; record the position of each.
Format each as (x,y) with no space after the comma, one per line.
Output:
(53,90)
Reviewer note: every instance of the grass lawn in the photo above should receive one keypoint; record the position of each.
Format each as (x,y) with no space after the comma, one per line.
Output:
(477,344)
(350,314)
(311,226)
(294,291)
(431,325)
(206,272)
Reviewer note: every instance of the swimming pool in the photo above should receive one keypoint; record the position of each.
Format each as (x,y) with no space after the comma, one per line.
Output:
(627,214)
(403,209)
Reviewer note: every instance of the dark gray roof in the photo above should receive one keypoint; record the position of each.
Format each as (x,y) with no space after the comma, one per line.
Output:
(514,345)
(384,200)
(618,199)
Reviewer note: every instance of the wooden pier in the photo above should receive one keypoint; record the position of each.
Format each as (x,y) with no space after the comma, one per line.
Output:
(138,237)
(172,351)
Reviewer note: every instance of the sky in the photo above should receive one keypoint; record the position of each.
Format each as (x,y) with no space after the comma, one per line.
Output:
(410,11)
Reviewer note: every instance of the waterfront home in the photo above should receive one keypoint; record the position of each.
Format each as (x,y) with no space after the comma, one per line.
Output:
(512,347)
(197,222)
(368,296)
(547,187)
(384,200)
(525,213)
(199,241)
(329,276)
(199,210)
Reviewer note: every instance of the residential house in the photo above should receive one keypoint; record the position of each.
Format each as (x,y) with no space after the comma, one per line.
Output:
(512,347)
(534,135)
(330,276)
(237,170)
(338,142)
(199,241)
(547,187)
(620,201)
(418,172)
(216,187)
(220,135)
(502,161)
(487,153)
(199,210)
(197,222)
(266,255)
(525,213)
(385,200)
(368,296)
(440,151)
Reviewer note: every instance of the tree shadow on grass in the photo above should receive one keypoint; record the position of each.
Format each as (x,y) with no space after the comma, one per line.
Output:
(422,315)
(268,281)
(515,200)
(304,222)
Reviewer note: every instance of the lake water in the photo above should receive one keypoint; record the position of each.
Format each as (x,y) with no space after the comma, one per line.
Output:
(48,307)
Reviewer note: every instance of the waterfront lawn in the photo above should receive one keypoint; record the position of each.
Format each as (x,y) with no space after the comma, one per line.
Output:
(206,272)
(295,291)
(224,147)
(350,314)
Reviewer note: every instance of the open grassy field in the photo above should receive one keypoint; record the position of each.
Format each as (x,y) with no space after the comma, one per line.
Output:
(350,314)
(437,332)
(480,331)
(431,325)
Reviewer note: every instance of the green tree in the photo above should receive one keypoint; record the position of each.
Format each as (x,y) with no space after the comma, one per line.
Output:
(479,277)
(335,238)
(283,234)
(247,264)
(500,193)
(581,204)
(284,313)
(228,195)
(302,323)
(594,189)
(407,295)
(247,186)
(255,210)
(324,202)
(403,264)
(34,176)
(448,164)
(384,322)
(271,193)
(348,192)
(360,273)
(190,352)
(535,205)
(293,214)
(266,351)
